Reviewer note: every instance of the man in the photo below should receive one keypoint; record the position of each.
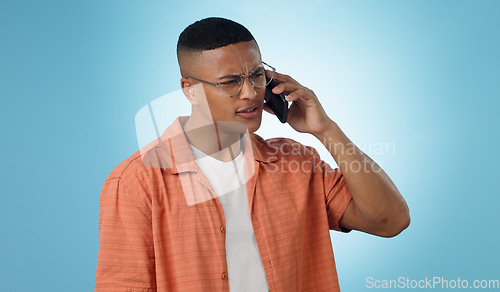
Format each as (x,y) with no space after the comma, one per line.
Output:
(210,206)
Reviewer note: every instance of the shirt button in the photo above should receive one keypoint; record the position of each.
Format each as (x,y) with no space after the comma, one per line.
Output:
(224,276)
(222,229)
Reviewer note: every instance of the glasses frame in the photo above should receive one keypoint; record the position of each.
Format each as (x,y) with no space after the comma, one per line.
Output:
(242,80)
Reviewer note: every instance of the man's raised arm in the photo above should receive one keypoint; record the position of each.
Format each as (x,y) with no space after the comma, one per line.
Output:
(376,207)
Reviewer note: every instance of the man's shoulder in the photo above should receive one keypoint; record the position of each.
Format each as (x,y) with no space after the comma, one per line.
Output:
(132,166)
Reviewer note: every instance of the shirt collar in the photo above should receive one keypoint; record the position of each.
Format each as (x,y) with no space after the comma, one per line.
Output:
(172,151)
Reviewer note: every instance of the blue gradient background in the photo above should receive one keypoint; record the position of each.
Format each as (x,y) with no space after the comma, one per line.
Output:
(422,75)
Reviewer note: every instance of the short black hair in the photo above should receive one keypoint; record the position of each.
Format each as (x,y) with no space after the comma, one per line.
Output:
(212,33)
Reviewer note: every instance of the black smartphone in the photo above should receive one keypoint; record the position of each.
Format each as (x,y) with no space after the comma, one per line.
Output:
(277,102)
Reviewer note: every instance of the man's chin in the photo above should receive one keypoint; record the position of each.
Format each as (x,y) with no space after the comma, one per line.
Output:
(254,126)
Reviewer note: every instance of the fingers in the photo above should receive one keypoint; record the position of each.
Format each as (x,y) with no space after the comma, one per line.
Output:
(288,86)
(281,78)
(276,76)
(299,93)
(270,74)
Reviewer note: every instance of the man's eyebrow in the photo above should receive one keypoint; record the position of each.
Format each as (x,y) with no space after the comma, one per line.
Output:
(236,74)
(229,75)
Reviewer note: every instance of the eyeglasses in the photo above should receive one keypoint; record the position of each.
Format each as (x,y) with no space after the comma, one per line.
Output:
(231,84)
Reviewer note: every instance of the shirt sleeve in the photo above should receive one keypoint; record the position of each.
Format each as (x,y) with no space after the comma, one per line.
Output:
(337,196)
(125,259)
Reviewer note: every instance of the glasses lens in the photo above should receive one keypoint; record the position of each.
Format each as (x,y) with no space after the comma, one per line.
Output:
(230,85)
(259,76)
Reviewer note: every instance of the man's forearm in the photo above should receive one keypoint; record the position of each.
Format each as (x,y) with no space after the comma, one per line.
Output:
(376,198)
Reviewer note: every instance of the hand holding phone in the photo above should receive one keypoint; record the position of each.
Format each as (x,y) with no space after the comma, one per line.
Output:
(277,102)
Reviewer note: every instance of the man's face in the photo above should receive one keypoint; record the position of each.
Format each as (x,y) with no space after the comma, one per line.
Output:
(241,58)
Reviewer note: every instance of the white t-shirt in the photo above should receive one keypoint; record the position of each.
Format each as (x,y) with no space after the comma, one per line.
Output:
(245,269)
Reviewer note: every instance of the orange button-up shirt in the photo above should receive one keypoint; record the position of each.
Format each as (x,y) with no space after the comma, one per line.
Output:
(151,239)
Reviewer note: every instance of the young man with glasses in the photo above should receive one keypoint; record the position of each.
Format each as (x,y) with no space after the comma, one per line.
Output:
(211,206)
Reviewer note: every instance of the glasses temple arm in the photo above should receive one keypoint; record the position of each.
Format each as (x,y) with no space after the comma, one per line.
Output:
(203,81)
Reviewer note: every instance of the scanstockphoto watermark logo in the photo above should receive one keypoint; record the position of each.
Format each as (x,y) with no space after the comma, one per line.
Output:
(289,156)
(436,282)
(169,142)
(377,148)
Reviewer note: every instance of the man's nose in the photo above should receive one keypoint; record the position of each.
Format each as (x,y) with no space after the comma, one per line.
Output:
(247,89)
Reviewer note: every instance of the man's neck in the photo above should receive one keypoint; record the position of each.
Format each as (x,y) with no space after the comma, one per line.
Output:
(219,140)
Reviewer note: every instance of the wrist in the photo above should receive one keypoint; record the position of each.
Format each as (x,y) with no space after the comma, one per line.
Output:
(327,131)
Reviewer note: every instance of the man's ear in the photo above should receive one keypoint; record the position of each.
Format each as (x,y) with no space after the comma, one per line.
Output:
(189,91)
